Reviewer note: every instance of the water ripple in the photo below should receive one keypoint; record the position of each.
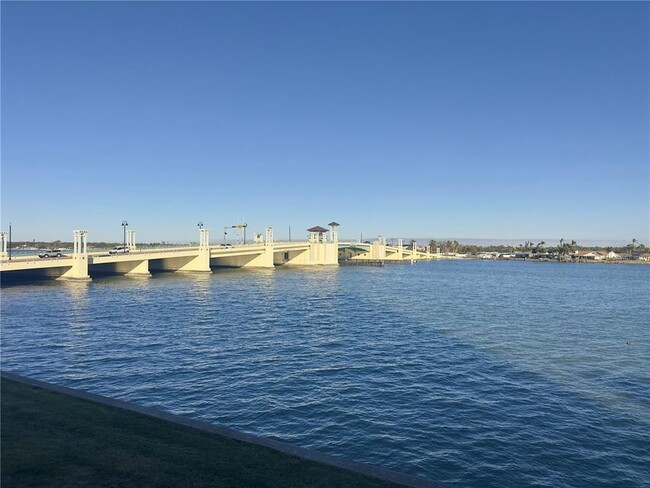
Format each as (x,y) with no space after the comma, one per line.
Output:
(469,373)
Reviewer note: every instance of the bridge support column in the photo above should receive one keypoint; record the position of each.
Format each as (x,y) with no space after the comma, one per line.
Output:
(264,260)
(400,248)
(378,250)
(200,263)
(323,253)
(3,245)
(79,269)
(140,269)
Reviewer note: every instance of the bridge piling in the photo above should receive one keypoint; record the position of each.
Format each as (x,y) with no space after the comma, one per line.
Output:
(201,263)
(140,269)
(79,269)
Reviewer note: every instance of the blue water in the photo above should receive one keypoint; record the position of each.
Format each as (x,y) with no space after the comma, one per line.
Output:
(470,373)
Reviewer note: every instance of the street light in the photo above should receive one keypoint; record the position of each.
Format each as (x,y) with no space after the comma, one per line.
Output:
(200,225)
(125,224)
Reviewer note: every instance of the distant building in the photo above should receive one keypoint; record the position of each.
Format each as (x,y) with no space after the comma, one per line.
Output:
(596,255)
(587,255)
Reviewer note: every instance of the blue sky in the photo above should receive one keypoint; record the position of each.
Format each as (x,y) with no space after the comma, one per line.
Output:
(504,120)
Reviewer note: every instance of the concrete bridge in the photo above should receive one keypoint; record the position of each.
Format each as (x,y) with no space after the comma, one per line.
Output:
(321,248)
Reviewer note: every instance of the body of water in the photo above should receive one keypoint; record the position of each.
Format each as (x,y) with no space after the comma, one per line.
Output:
(470,373)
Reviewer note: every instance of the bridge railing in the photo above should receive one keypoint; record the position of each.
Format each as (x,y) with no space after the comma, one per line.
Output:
(145,251)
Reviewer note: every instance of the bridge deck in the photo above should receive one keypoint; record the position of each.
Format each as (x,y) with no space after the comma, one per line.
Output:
(23,263)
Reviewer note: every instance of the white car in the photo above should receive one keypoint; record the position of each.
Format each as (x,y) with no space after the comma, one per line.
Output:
(52,253)
(119,250)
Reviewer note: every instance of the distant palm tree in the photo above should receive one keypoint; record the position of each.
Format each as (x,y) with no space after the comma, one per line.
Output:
(634,241)
(433,245)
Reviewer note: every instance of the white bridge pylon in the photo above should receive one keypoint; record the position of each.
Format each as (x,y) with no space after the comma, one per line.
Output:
(130,240)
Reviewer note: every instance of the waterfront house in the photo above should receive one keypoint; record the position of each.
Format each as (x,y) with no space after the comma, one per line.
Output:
(590,255)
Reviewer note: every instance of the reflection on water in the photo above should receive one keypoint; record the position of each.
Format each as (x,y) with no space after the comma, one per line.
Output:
(77,294)
(471,373)
(200,287)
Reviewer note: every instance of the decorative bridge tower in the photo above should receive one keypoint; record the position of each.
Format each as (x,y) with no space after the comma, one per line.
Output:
(130,240)
(334,232)
(321,249)
(79,269)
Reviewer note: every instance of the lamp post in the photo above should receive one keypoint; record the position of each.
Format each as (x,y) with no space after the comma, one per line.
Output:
(200,225)
(125,224)
(9,241)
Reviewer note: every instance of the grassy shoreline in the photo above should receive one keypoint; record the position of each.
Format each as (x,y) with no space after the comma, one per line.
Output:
(52,439)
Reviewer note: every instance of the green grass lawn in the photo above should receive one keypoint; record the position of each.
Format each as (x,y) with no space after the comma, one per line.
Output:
(52,439)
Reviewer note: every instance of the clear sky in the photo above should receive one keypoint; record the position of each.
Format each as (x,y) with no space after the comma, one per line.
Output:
(485,120)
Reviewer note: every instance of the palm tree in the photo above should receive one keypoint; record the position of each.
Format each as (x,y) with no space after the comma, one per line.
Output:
(432,245)
(634,241)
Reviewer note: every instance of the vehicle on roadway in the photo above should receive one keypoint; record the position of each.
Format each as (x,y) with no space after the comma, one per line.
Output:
(225,246)
(119,250)
(51,253)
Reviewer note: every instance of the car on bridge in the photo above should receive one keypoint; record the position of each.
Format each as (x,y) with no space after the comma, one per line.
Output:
(225,246)
(119,250)
(51,253)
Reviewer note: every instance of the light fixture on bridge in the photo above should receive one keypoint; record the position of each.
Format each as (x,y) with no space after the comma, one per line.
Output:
(200,225)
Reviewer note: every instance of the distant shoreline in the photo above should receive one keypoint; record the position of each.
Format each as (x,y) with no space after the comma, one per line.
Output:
(577,261)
